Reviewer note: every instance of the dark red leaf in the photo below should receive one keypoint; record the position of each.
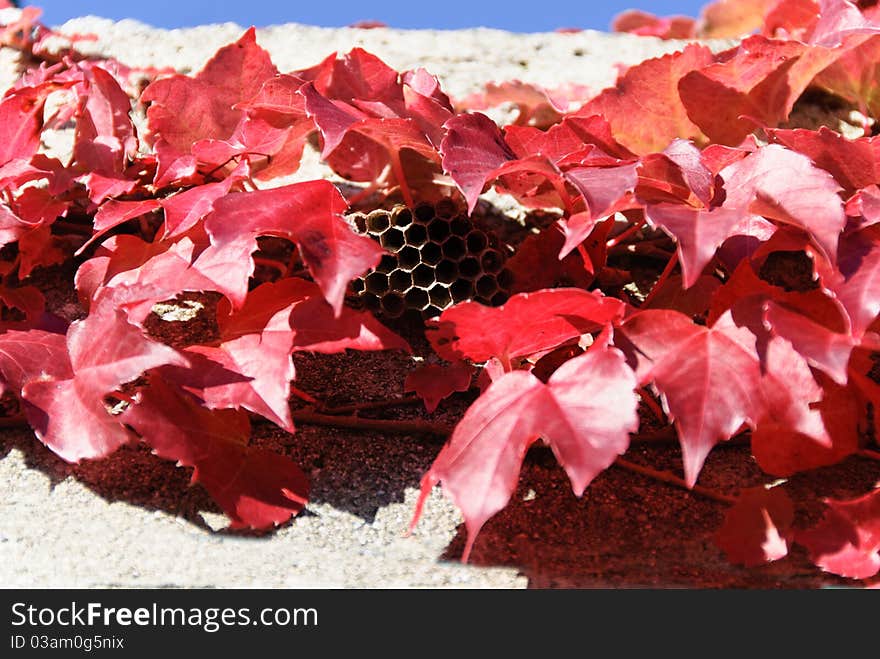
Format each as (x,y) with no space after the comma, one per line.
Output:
(434,382)
(472,149)
(757,528)
(255,487)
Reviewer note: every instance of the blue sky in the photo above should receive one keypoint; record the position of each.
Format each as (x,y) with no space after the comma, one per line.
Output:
(514,15)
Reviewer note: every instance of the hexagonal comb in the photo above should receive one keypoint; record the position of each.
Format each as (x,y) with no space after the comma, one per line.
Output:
(437,258)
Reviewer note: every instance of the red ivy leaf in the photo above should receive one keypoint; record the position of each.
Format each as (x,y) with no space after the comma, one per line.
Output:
(184,110)
(251,365)
(758,81)
(106,351)
(855,164)
(480,465)
(644,108)
(254,487)
(472,149)
(707,376)
(527,324)
(757,527)
(433,382)
(309,214)
(847,540)
(31,355)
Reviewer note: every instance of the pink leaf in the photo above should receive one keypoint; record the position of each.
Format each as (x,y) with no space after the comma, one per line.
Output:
(847,539)
(787,188)
(185,110)
(480,465)
(106,351)
(707,377)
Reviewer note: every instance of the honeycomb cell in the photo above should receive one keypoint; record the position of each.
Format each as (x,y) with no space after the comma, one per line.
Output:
(393,304)
(377,222)
(376,283)
(408,257)
(387,264)
(403,217)
(461,290)
(360,222)
(505,279)
(423,275)
(492,261)
(476,241)
(440,296)
(416,298)
(498,299)
(431,253)
(446,271)
(460,226)
(453,248)
(445,208)
(358,285)
(416,235)
(486,286)
(469,267)
(438,230)
(400,280)
(424,213)
(392,239)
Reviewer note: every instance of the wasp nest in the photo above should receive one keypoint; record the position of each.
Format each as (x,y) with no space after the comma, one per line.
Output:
(437,258)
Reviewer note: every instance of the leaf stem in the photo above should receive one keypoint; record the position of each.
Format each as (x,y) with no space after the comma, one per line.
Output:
(670,266)
(868,453)
(623,235)
(652,405)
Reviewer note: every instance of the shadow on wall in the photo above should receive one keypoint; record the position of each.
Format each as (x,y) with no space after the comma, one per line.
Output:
(627,531)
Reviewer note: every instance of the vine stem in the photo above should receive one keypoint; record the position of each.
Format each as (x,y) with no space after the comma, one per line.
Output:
(670,265)
(372,405)
(385,425)
(672,479)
